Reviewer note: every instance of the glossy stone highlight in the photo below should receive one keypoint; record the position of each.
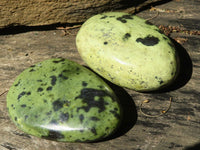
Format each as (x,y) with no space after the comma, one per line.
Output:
(128,51)
(60,100)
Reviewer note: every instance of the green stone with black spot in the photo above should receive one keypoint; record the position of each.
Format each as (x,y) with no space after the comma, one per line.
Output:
(60,100)
(128,51)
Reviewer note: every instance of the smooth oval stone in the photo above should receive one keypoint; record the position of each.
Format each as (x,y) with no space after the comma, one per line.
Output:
(128,51)
(61,100)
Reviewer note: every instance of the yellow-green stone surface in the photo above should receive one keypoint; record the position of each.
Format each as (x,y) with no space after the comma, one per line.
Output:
(128,51)
(60,100)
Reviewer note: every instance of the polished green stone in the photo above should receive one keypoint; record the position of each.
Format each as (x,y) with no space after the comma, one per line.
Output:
(128,51)
(61,100)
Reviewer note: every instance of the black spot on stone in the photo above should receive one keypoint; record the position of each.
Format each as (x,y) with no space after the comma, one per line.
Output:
(18,83)
(31,70)
(49,113)
(114,112)
(58,61)
(104,17)
(64,117)
(28,93)
(54,69)
(111,16)
(36,116)
(62,76)
(81,117)
(164,38)
(45,101)
(65,70)
(54,135)
(161,82)
(39,89)
(39,80)
(23,105)
(147,22)
(53,80)
(15,118)
(124,18)
(105,43)
(88,96)
(126,36)
(26,117)
(93,130)
(21,94)
(53,122)
(148,41)
(94,119)
(58,104)
(84,83)
(49,88)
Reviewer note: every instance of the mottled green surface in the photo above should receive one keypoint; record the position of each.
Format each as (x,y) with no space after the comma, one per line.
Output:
(60,100)
(128,51)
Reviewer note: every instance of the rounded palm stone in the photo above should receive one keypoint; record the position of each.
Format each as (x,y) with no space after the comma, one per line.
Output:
(61,100)
(128,51)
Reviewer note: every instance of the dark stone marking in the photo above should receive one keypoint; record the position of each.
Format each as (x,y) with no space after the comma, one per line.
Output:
(18,83)
(88,96)
(15,118)
(53,122)
(124,18)
(93,130)
(104,17)
(126,36)
(54,135)
(65,70)
(39,89)
(58,104)
(58,61)
(111,16)
(23,105)
(39,80)
(64,117)
(81,117)
(159,80)
(164,38)
(62,76)
(31,70)
(21,94)
(54,69)
(94,119)
(114,112)
(26,117)
(53,80)
(84,83)
(105,43)
(49,88)
(28,93)
(36,116)
(49,113)
(147,22)
(148,41)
